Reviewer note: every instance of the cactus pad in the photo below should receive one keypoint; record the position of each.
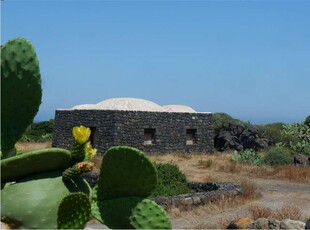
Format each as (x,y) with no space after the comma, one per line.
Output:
(126,171)
(17,167)
(74,211)
(131,212)
(149,215)
(78,152)
(33,202)
(70,174)
(20,90)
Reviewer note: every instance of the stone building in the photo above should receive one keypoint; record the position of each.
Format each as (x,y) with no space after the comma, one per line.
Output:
(138,123)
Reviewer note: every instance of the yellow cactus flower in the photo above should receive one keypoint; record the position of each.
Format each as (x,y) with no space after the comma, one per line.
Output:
(89,151)
(81,134)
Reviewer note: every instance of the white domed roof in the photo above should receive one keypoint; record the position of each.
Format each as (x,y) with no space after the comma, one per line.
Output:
(85,106)
(134,104)
(178,108)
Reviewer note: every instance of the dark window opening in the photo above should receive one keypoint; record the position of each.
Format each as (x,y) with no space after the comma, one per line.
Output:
(149,136)
(191,136)
(92,137)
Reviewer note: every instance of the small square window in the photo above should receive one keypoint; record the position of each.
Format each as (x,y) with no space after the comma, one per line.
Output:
(149,136)
(190,136)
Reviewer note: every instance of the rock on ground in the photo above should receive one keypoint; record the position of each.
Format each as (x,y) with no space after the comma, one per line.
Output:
(263,223)
(292,224)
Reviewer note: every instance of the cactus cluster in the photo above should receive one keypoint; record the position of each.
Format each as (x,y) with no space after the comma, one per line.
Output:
(33,200)
(48,191)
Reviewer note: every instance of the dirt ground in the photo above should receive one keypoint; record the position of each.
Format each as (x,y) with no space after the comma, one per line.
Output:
(275,194)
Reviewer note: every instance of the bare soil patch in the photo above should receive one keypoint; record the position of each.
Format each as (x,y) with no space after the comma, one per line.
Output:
(30,146)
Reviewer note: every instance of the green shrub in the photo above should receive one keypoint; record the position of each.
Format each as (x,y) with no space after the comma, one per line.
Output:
(248,156)
(171,181)
(307,121)
(275,133)
(39,132)
(301,134)
(278,156)
(272,132)
(222,121)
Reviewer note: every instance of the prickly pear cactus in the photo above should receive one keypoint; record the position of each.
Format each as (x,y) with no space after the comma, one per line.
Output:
(132,213)
(127,177)
(33,201)
(26,164)
(20,90)
(44,180)
(148,215)
(126,171)
(74,211)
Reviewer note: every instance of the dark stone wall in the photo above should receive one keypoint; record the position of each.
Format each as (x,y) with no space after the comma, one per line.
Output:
(127,128)
(102,121)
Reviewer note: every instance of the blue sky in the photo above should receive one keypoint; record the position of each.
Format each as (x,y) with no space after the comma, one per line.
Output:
(250,59)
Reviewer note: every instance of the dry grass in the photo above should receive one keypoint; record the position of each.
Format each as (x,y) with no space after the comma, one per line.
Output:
(201,167)
(30,146)
(230,167)
(250,190)
(260,212)
(215,207)
(97,160)
(288,212)
(293,173)
(204,164)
